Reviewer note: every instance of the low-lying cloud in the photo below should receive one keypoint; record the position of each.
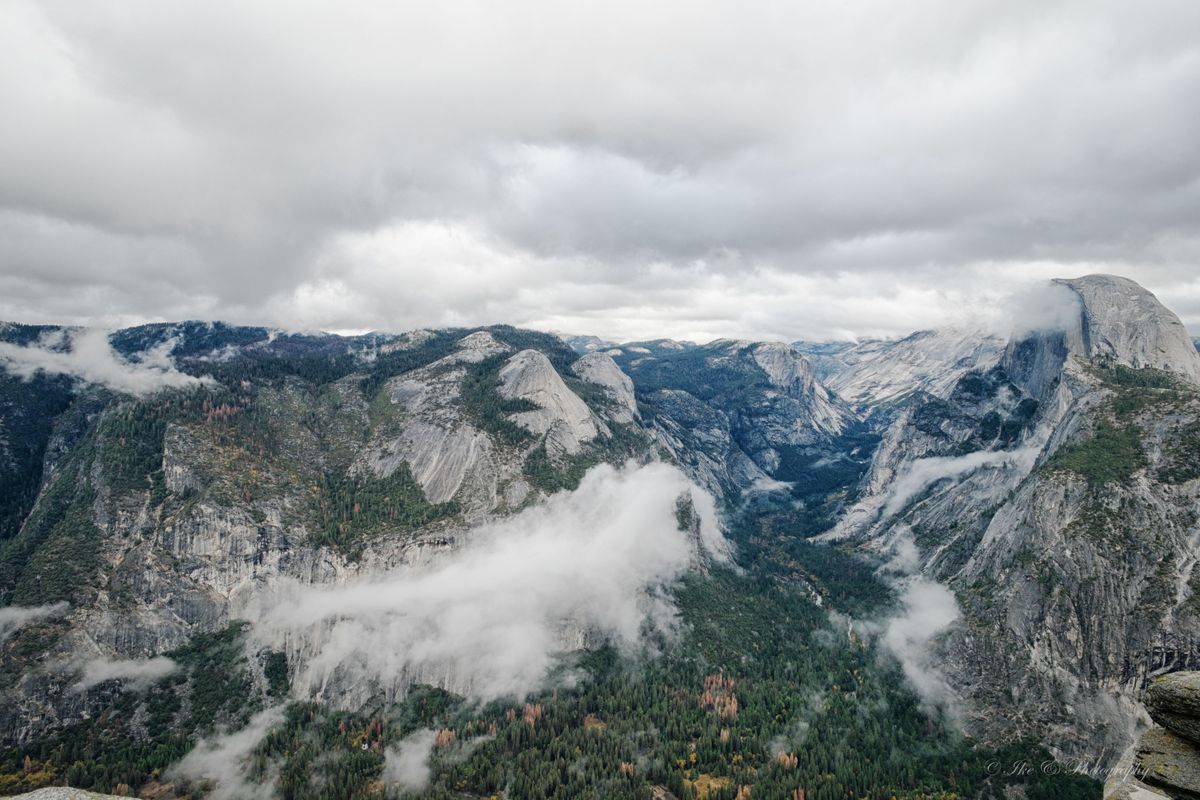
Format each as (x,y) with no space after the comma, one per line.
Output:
(924,472)
(926,609)
(134,673)
(1038,307)
(406,764)
(88,356)
(221,761)
(13,618)
(491,619)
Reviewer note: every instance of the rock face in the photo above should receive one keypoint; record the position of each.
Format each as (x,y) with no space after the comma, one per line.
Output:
(1048,493)
(440,445)
(1173,701)
(740,416)
(700,438)
(1170,763)
(874,374)
(1164,762)
(601,370)
(790,373)
(1123,322)
(561,415)
(477,347)
(1123,783)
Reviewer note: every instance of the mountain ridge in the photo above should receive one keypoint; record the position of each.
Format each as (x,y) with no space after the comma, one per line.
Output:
(1023,477)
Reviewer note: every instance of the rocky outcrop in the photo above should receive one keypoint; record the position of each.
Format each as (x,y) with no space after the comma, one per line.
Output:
(699,438)
(476,347)
(561,415)
(789,372)
(1173,701)
(601,370)
(874,374)
(448,456)
(1123,322)
(740,416)
(1170,763)
(1165,761)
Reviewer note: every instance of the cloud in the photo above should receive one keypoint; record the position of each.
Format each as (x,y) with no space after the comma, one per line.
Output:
(134,673)
(909,633)
(88,356)
(924,472)
(222,760)
(927,609)
(628,169)
(13,618)
(1036,308)
(406,764)
(490,619)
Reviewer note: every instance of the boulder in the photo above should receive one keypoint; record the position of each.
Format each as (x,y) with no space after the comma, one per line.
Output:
(1169,762)
(1174,702)
(1123,783)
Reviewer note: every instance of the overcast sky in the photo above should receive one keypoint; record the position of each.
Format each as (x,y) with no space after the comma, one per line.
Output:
(629,169)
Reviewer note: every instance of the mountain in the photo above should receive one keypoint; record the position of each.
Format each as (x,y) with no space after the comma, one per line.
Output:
(588,344)
(494,553)
(746,418)
(875,375)
(1055,495)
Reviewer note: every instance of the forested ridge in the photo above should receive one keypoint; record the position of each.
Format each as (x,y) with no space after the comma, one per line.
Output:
(760,697)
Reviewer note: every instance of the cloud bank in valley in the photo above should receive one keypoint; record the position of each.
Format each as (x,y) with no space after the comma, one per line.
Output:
(927,609)
(924,472)
(222,760)
(13,618)
(910,632)
(133,673)
(406,764)
(88,356)
(490,618)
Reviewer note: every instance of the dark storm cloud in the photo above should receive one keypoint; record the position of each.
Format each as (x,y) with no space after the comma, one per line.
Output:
(631,169)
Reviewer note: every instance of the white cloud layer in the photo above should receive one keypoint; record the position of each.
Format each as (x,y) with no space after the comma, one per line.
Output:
(134,673)
(927,609)
(910,632)
(88,356)
(222,760)
(406,764)
(13,618)
(924,472)
(490,619)
(627,169)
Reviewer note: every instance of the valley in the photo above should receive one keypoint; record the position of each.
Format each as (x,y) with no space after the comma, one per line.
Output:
(493,562)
